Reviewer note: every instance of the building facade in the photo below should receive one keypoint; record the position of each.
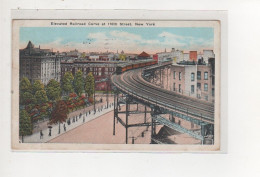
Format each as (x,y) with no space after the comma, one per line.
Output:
(39,64)
(207,54)
(193,80)
(193,56)
(100,70)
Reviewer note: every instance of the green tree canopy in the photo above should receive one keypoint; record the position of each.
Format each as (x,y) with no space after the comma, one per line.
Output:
(79,83)
(41,96)
(37,85)
(25,124)
(90,84)
(25,85)
(122,57)
(27,98)
(67,82)
(53,90)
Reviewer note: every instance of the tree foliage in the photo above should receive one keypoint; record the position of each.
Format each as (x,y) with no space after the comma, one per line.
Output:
(122,57)
(25,85)
(37,85)
(25,124)
(27,98)
(90,85)
(59,113)
(41,96)
(53,90)
(79,83)
(67,82)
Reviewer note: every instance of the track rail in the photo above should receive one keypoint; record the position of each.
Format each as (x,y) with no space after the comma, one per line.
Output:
(131,82)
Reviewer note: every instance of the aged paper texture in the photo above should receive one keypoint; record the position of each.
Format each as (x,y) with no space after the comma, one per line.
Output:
(116,85)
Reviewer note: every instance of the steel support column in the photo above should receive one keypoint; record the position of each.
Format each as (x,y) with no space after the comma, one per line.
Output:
(126,121)
(202,128)
(152,130)
(145,114)
(114,121)
(117,106)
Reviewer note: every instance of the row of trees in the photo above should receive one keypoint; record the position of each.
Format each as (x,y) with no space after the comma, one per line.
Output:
(38,94)
(38,101)
(76,84)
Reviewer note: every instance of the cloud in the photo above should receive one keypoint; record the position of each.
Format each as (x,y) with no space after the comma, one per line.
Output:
(129,42)
(185,42)
(98,35)
(125,35)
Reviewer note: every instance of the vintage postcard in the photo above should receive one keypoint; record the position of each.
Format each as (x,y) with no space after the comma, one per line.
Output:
(116,85)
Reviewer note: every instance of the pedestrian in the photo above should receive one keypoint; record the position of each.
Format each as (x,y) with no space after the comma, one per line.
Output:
(83,119)
(64,127)
(50,132)
(89,112)
(41,134)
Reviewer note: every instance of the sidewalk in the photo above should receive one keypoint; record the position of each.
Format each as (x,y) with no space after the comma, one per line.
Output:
(35,137)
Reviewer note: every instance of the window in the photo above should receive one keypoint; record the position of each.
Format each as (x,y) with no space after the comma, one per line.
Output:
(192,88)
(213,92)
(179,75)
(205,87)
(199,75)
(179,87)
(174,86)
(174,74)
(205,75)
(192,76)
(206,98)
(199,85)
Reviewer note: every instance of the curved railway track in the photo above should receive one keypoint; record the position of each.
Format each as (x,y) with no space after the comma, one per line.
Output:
(131,82)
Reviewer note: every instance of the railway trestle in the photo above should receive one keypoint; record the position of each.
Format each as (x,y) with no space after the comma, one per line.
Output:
(157,114)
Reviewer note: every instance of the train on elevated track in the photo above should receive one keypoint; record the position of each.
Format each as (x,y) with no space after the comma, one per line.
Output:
(137,64)
(141,63)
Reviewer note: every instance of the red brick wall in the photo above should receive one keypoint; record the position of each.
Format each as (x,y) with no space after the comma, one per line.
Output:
(193,55)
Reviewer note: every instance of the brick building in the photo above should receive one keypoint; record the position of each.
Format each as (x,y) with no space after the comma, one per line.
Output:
(100,69)
(39,64)
(193,56)
(191,79)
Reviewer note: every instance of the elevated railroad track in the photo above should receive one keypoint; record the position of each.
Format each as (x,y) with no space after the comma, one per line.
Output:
(132,83)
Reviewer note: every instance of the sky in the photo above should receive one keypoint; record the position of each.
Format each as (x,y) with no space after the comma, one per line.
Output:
(128,39)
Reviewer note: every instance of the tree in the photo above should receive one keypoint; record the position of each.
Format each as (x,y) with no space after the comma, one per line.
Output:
(41,96)
(79,83)
(122,57)
(27,98)
(25,85)
(90,84)
(37,85)
(67,82)
(53,90)
(25,124)
(59,113)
